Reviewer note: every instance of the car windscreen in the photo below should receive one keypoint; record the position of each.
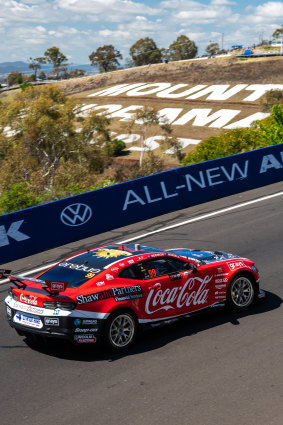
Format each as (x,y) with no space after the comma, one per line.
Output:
(77,270)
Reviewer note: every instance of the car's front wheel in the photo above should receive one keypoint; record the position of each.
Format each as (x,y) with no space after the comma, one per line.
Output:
(120,330)
(241,292)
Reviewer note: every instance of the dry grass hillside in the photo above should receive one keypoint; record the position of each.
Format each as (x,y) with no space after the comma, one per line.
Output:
(194,116)
(228,70)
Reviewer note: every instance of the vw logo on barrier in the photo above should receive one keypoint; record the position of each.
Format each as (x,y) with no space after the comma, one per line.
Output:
(76,214)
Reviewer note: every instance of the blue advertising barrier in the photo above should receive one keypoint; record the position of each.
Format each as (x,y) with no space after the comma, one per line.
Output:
(36,229)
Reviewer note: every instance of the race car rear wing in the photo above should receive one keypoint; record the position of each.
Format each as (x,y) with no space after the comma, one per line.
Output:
(52,287)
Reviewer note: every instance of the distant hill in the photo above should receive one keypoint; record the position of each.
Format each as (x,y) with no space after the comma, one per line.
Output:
(7,67)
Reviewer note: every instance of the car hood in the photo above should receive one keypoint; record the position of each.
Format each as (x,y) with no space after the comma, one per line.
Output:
(203,257)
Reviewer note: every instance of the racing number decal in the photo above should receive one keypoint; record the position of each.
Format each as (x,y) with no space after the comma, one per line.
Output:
(89,275)
(152,273)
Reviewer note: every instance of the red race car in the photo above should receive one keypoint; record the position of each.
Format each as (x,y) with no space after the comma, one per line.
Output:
(107,293)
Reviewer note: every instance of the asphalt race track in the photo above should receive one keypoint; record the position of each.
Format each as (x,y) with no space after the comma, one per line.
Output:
(214,369)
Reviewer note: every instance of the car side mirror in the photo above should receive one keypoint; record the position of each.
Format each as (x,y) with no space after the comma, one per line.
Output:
(191,267)
(194,268)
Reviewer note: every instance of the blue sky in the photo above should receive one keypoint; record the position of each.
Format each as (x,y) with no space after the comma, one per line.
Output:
(78,27)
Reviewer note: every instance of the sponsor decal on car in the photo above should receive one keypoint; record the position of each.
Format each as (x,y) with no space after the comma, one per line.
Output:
(85,338)
(89,322)
(221,280)
(219,270)
(100,283)
(110,293)
(28,308)
(220,286)
(125,290)
(194,291)
(79,322)
(58,286)
(28,320)
(85,299)
(9,311)
(86,330)
(130,261)
(56,312)
(109,276)
(51,321)
(128,297)
(196,260)
(175,276)
(171,254)
(28,299)
(221,274)
(79,267)
(110,253)
(114,269)
(237,265)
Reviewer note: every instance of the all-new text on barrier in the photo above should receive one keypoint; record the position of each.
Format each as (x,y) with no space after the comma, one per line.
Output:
(36,229)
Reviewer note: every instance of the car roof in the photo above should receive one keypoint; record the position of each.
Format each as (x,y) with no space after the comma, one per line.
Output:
(104,256)
(85,266)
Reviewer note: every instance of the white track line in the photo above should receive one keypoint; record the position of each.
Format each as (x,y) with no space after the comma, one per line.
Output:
(191,220)
(203,217)
(31,272)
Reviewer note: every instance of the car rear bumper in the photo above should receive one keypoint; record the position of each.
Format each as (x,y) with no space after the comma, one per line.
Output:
(74,325)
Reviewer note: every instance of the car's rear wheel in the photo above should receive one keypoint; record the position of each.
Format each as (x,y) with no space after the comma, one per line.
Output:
(120,330)
(241,292)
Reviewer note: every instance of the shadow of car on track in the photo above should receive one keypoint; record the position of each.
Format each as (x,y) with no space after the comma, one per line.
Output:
(154,338)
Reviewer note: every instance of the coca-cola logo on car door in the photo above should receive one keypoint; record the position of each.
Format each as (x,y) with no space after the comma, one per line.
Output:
(193,292)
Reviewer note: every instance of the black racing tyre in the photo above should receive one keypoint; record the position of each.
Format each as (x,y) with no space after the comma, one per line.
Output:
(241,292)
(120,330)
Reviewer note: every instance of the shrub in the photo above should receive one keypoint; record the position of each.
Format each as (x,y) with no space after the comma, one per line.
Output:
(17,197)
(263,133)
(229,143)
(271,98)
(25,85)
(114,147)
